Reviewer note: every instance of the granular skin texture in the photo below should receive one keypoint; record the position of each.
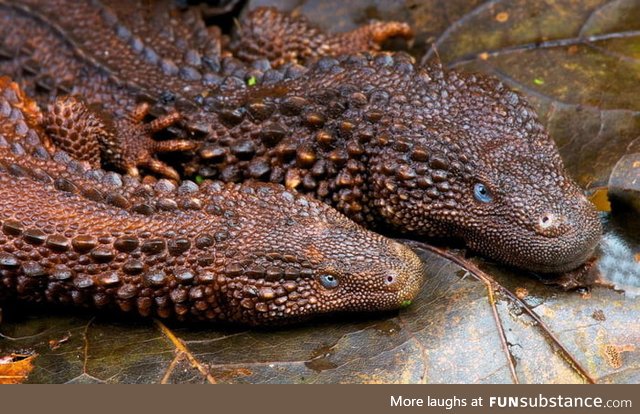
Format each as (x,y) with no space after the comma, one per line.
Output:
(394,146)
(252,253)
(282,38)
(119,54)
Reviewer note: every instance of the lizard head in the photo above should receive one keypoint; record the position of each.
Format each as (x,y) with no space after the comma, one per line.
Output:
(464,156)
(301,258)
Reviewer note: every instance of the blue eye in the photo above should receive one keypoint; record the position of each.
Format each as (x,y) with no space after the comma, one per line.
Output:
(481,193)
(329,281)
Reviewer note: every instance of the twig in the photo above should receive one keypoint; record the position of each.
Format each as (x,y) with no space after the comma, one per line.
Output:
(491,284)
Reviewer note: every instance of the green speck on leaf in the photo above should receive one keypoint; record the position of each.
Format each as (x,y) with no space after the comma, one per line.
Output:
(252,81)
(405,303)
(199,179)
(538,81)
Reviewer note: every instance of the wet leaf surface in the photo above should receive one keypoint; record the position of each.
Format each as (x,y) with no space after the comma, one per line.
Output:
(448,335)
(579,64)
(15,368)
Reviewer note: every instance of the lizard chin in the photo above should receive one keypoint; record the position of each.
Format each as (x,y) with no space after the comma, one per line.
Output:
(542,253)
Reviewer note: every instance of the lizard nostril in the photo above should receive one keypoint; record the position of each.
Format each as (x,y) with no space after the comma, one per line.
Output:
(551,221)
(547,221)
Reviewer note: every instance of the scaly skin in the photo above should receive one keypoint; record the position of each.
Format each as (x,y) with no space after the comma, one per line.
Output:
(389,144)
(282,38)
(254,253)
(394,145)
(118,55)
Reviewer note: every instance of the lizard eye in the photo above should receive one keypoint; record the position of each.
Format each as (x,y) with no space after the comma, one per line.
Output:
(482,193)
(328,281)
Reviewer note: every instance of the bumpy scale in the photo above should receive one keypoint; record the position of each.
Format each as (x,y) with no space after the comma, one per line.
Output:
(252,253)
(418,150)
(120,55)
(281,38)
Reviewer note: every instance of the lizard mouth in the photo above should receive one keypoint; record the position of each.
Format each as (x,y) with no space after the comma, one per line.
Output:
(553,261)
(540,253)
(561,266)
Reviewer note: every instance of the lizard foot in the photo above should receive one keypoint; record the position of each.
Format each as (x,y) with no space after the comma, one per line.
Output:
(125,143)
(282,38)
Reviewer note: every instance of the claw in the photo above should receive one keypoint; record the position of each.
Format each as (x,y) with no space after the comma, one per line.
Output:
(125,143)
(174,145)
(139,148)
(378,32)
(133,172)
(161,168)
(163,122)
(139,112)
